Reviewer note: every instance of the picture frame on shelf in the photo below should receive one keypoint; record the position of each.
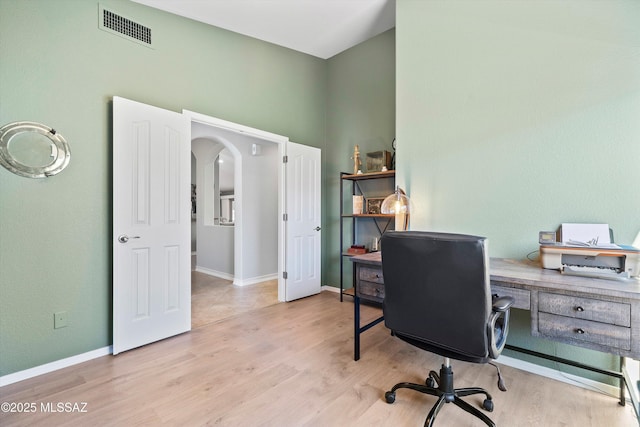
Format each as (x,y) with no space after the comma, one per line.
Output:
(378,161)
(373,205)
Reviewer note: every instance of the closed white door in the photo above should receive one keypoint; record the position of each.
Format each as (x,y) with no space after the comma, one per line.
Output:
(302,228)
(151,224)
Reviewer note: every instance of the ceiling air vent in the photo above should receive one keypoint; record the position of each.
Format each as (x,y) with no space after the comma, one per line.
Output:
(134,31)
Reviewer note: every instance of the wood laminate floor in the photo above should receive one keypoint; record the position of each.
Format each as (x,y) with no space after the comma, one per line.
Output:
(290,364)
(213,299)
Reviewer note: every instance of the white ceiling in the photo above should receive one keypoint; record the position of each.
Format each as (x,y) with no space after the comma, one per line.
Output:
(321,28)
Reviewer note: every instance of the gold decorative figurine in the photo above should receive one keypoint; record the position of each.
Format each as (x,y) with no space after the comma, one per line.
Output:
(357,163)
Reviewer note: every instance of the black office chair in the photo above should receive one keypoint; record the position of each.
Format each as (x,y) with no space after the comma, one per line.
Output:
(438,298)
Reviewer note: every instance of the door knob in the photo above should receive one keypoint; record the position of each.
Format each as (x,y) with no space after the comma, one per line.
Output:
(123,238)
(318,228)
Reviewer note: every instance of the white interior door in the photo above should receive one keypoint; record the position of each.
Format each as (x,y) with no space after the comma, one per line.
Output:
(302,228)
(151,224)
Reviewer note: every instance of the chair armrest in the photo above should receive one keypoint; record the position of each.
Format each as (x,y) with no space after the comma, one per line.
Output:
(499,317)
(502,304)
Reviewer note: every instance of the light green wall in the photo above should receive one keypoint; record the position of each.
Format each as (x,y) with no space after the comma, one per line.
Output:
(523,115)
(360,111)
(516,116)
(57,67)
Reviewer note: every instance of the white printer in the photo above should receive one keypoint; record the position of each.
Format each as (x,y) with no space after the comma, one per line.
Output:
(588,250)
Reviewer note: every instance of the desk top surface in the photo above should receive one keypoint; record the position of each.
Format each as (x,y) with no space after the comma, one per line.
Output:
(523,273)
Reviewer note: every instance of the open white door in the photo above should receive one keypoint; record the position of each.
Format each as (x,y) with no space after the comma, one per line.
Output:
(302,227)
(151,224)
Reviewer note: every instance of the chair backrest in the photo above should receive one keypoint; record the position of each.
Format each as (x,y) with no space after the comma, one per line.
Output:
(437,291)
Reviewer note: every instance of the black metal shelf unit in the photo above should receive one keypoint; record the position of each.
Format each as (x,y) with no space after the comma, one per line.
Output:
(349,219)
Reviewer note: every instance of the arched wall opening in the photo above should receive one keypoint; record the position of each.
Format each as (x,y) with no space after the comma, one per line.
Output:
(247,251)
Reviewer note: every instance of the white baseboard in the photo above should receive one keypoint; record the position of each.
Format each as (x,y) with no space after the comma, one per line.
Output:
(236,281)
(559,376)
(54,366)
(254,280)
(214,273)
(330,289)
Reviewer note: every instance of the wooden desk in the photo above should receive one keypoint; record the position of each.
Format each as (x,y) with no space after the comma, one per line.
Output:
(598,314)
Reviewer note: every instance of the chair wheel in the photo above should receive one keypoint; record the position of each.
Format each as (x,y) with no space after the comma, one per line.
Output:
(431,382)
(390,396)
(488,405)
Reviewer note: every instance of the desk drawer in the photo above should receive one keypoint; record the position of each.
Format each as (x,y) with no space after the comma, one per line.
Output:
(613,313)
(370,290)
(555,326)
(370,274)
(522,297)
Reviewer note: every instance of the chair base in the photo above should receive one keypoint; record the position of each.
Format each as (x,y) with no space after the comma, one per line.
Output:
(441,385)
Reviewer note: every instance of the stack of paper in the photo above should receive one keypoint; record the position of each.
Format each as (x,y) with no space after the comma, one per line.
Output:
(587,235)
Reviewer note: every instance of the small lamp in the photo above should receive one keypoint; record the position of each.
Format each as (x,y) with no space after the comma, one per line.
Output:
(398,204)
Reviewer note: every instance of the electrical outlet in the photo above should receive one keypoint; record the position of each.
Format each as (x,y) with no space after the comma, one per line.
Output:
(60,320)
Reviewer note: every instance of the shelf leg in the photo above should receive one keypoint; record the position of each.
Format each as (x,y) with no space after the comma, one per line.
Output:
(356,328)
(622,383)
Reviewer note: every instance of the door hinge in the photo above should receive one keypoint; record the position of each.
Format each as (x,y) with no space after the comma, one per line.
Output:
(285,159)
(284,275)
(285,217)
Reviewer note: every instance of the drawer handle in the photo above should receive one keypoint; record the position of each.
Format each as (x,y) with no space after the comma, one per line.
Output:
(580,331)
(579,309)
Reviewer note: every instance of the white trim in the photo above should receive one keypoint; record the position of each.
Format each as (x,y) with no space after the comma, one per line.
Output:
(282,226)
(329,289)
(236,281)
(214,273)
(54,366)
(564,377)
(234,127)
(631,390)
(254,280)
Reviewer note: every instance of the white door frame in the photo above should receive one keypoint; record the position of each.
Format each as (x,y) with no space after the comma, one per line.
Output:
(238,238)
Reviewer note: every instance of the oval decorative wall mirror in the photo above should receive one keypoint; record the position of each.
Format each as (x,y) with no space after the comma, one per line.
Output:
(33,150)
